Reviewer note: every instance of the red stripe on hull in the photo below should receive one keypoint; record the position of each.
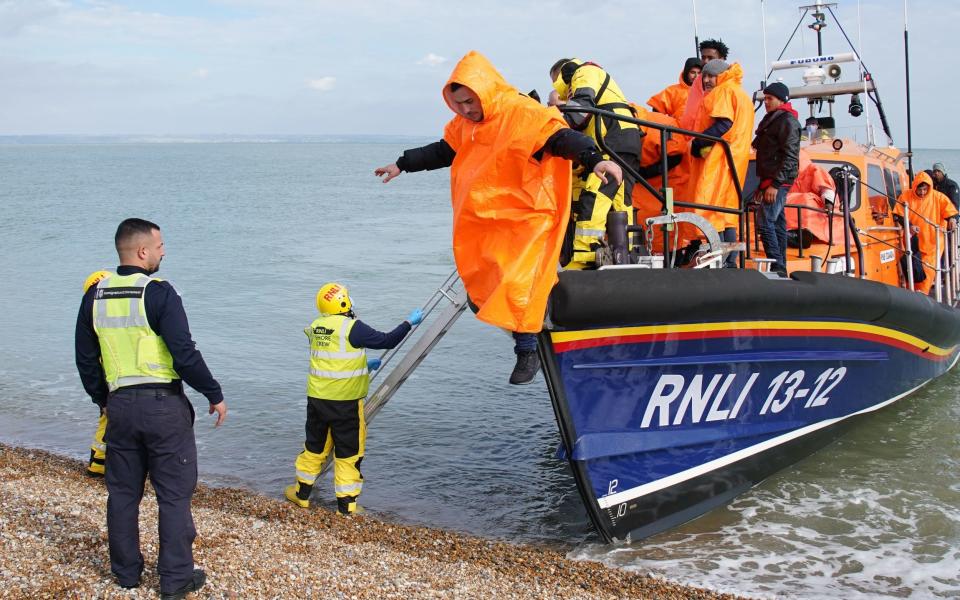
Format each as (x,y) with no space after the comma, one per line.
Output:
(561,347)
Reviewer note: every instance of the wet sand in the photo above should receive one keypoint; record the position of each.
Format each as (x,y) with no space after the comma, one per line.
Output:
(53,544)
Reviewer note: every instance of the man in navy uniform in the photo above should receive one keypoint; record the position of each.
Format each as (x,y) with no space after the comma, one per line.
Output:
(136,324)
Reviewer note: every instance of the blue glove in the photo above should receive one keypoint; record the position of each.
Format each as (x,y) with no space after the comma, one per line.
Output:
(373,363)
(415,317)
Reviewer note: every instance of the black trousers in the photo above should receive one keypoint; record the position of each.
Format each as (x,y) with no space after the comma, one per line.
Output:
(151,431)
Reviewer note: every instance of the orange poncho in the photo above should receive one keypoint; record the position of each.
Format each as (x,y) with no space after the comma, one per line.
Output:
(510,211)
(710,180)
(672,100)
(645,203)
(807,190)
(934,207)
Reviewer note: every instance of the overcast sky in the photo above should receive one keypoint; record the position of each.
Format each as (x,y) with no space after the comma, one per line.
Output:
(187,67)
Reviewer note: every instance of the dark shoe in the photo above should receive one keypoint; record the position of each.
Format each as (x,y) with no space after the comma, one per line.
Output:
(129,586)
(199,578)
(528,363)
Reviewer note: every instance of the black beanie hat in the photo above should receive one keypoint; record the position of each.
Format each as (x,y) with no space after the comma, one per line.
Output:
(778,90)
(692,63)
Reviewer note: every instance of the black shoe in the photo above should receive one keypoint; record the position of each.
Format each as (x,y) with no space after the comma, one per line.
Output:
(199,578)
(129,586)
(528,363)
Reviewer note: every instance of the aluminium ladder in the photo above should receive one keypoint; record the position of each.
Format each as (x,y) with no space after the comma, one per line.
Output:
(451,299)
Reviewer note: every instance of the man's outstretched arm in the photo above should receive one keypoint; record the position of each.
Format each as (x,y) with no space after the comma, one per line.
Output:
(425,158)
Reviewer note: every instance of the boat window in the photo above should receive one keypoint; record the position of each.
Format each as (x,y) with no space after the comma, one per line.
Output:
(877,190)
(892,192)
(828,165)
(897,189)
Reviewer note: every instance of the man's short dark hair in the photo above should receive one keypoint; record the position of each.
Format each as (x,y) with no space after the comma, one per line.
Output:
(131,228)
(454,86)
(717,45)
(556,66)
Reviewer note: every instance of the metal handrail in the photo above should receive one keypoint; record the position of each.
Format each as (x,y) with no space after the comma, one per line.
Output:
(664,130)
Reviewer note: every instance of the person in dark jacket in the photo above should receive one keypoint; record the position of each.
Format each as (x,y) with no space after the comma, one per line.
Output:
(134,351)
(778,157)
(944,184)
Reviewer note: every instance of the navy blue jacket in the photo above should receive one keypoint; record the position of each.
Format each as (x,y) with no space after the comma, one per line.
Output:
(167,318)
(364,336)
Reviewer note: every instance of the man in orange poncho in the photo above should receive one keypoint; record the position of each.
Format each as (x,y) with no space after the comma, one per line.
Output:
(672,100)
(928,207)
(726,111)
(510,189)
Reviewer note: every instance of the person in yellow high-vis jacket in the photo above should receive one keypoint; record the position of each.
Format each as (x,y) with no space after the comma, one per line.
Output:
(98,449)
(582,83)
(337,383)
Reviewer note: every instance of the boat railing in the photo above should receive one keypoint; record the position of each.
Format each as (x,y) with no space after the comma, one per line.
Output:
(946,284)
(664,195)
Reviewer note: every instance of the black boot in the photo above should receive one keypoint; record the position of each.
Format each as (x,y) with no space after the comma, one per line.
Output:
(528,363)
(196,582)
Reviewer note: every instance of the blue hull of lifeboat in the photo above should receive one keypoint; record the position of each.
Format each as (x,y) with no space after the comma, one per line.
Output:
(663,421)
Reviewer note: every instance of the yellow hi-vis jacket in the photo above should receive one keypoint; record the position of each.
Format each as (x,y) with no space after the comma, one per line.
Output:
(131,351)
(338,370)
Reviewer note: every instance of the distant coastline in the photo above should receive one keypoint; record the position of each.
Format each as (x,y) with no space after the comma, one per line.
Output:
(78,139)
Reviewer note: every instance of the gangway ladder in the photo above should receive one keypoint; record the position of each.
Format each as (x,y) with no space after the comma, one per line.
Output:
(451,299)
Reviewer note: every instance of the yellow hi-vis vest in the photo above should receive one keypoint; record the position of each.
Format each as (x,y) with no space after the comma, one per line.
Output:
(338,370)
(131,351)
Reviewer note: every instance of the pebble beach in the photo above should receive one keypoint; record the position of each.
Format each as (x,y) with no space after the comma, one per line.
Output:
(53,544)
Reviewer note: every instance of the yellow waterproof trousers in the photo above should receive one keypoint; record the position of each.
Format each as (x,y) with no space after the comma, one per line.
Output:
(338,425)
(98,449)
(592,202)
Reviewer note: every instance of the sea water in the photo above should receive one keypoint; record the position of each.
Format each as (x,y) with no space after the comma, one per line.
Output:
(254,226)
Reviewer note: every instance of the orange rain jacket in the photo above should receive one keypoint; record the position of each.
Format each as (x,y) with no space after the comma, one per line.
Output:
(807,190)
(934,207)
(672,100)
(645,203)
(510,211)
(710,180)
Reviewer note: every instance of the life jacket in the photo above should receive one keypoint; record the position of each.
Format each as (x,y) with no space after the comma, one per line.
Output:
(338,370)
(132,353)
(620,136)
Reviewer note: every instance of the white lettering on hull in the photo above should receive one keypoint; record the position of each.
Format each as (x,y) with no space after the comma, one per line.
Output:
(715,401)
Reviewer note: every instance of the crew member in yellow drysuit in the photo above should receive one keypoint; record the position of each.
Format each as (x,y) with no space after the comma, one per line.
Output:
(337,384)
(932,206)
(98,449)
(587,84)
(509,160)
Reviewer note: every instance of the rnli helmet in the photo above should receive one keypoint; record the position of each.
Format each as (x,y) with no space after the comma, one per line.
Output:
(94,279)
(334,299)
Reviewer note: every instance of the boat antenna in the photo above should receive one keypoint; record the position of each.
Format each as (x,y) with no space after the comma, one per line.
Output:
(875,94)
(696,31)
(787,45)
(906,57)
(763,22)
(866,92)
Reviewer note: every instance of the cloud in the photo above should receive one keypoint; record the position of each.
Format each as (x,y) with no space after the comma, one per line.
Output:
(324,84)
(432,60)
(201,73)
(19,15)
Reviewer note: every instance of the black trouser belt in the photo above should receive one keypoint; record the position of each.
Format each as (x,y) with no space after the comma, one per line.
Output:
(175,386)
